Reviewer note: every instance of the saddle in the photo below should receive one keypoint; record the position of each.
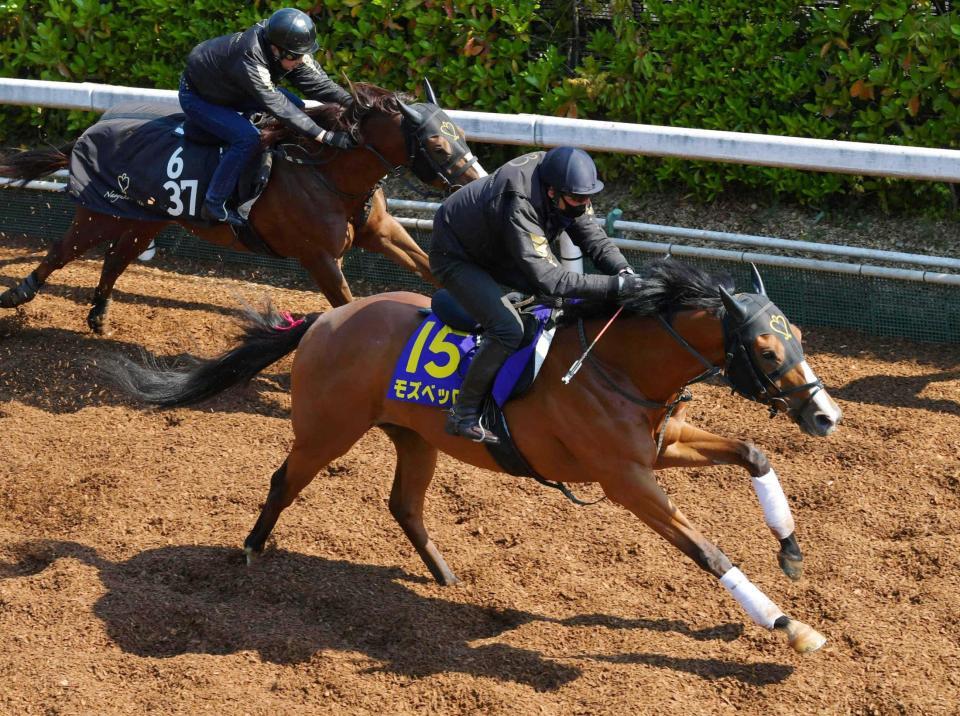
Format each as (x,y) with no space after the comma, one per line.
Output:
(435,359)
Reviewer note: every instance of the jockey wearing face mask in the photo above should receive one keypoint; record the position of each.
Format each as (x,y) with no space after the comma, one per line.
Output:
(502,230)
(237,73)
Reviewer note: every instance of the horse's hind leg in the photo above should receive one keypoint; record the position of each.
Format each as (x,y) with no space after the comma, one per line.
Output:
(416,460)
(86,231)
(638,491)
(133,240)
(306,459)
(687,446)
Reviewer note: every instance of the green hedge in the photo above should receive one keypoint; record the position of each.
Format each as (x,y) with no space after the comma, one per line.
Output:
(880,71)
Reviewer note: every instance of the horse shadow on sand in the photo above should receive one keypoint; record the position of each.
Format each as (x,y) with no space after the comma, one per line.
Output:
(900,391)
(83,297)
(289,607)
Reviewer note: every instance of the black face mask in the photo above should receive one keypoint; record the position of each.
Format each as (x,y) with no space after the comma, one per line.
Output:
(569,211)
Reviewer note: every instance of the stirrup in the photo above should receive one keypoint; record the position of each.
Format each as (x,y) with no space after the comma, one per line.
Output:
(470,426)
(221,213)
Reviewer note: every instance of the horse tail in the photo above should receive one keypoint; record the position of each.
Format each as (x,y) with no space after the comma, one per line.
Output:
(266,337)
(35,163)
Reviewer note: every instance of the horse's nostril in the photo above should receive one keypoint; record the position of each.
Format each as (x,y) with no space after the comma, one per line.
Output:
(824,421)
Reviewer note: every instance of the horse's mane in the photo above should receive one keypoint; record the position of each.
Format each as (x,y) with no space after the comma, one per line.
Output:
(366,98)
(668,286)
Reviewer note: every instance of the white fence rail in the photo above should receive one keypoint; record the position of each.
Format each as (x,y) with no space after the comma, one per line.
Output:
(535,130)
(791,152)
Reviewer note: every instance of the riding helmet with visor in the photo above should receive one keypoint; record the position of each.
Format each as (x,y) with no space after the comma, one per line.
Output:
(571,171)
(293,32)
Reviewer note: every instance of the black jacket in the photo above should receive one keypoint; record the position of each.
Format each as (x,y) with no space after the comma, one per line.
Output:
(505,224)
(239,71)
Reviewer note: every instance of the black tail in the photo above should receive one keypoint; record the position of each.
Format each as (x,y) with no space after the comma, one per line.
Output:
(35,163)
(266,337)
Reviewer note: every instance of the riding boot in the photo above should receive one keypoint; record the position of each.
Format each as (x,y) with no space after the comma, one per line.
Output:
(223,183)
(465,417)
(219,212)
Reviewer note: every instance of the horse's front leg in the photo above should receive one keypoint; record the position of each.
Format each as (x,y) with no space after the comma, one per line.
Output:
(383,234)
(687,446)
(636,488)
(324,260)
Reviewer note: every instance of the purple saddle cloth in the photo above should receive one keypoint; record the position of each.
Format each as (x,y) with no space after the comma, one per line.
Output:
(431,367)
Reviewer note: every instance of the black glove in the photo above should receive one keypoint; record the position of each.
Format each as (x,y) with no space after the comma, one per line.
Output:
(630,285)
(338,140)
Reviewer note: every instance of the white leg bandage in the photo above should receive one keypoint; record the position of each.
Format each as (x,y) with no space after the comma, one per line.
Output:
(776,511)
(754,602)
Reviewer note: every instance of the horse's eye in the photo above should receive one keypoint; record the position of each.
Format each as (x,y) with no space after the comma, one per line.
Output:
(769,355)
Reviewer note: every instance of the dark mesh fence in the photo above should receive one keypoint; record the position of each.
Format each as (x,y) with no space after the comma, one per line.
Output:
(907,309)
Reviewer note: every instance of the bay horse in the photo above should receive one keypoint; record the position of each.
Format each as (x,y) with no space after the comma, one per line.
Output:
(611,424)
(318,204)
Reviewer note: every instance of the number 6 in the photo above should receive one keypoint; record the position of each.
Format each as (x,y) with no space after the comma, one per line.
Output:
(175,164)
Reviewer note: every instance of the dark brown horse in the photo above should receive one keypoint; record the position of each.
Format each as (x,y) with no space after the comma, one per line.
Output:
(313,208)
(608,425)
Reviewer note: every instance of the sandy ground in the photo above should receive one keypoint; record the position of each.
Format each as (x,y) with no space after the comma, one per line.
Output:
(123,590)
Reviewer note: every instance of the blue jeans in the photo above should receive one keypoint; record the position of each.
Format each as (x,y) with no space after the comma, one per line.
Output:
(229,125)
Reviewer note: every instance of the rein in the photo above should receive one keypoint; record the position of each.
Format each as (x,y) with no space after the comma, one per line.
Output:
(683,395)
(311,162)
(396,170)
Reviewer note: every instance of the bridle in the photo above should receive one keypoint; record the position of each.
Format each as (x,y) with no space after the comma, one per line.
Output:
(420,122)
(741,369)
(746,318)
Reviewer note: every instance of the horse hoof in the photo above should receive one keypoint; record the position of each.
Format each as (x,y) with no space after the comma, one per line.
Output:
(99,326)
(97,317)
(791,566)
(251,555)
(11,298)
(803,638)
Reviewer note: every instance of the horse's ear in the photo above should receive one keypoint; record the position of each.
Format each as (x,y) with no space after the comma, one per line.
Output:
(732,305)
(757,281)
(428,91)
(409,112)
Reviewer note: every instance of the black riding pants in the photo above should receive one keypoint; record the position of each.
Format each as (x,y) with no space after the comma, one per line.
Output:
(481,296)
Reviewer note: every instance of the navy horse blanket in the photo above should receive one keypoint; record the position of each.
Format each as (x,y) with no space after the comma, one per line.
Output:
(141,162)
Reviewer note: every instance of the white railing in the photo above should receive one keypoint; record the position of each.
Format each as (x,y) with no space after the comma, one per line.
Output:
(821,155)
(621,137)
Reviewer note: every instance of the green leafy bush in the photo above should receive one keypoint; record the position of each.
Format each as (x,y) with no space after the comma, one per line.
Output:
(863,71)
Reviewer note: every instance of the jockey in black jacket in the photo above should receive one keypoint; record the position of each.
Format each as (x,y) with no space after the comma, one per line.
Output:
(234,74)
(502,229)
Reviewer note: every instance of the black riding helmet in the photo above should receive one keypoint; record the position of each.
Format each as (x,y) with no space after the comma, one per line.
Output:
(570,170)
(292,30)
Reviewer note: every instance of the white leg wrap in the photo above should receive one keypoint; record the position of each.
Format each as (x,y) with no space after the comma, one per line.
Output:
(754,602)
(776,511)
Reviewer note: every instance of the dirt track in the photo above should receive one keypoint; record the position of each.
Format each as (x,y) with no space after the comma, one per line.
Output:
(122,588)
